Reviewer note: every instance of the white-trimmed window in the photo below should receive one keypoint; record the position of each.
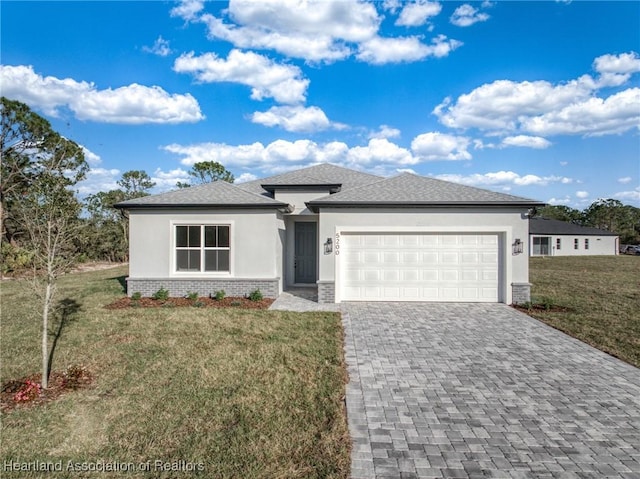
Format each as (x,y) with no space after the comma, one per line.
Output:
(202,248)
(586,243)
(576,243)
(558,243)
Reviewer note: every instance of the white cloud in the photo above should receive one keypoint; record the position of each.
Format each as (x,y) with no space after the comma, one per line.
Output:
(391,5)
(592,117)
(633,195)
(525,141)
(382,50)
(91,157)
(440,146)
(582,194)
(564,163)
(466,15)
(625,180)
(160,47)
(99,179)
(380,150)
(244,177)
(385,131)
(504,178)
(315,30)
(132,104)
(295,118)
(188,9)
(284,83)
(166,180)
(418,13)
(559,201)
(540,108)
(616,70)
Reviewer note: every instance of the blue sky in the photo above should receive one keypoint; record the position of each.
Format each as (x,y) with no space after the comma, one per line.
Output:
(538,99)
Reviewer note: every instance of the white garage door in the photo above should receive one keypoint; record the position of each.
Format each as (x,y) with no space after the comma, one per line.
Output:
(419,267)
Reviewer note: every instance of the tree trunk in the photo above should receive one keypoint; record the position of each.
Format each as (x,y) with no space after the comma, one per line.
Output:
(45,330)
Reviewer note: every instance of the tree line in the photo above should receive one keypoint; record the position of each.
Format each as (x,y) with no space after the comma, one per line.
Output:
(605,214)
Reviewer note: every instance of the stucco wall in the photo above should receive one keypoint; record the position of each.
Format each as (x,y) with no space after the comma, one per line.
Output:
(598,245)
(297,199)
(256,246)
(508,223)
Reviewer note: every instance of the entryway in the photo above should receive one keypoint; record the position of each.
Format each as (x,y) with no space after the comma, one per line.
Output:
(306,252)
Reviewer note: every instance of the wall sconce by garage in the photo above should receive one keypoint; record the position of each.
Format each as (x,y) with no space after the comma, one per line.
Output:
(517,246)
(328,246)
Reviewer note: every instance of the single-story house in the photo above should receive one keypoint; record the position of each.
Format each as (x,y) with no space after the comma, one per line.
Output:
(354,235)
(550,237)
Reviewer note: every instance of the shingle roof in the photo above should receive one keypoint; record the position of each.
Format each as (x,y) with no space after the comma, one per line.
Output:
(546,226)
(408,189)
(325,173)
(218,193)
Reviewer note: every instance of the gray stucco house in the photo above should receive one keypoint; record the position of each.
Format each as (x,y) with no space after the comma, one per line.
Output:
(550,237)
(355,235)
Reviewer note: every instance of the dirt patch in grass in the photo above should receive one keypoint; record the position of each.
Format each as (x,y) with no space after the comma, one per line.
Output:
(26,392)
(542,307)
(239,303)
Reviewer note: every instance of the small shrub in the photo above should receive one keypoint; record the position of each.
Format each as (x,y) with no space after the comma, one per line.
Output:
(219,295)
(161,295)
(255,295)
(30,391)
(137,296)
(192,295)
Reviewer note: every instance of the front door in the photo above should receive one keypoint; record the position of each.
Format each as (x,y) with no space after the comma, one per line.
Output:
(305,252)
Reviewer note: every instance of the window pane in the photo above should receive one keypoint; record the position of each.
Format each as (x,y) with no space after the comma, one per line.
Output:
(194,260)
(181,236)
(182,260)
(210,260)
(194,236)
(216,260)
(210,236)
(223,260)
(223,236)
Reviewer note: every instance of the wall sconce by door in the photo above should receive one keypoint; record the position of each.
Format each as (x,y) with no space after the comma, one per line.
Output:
(328,246)
(517,246)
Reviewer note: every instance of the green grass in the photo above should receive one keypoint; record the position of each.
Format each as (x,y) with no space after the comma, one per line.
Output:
(251,394)
(604,295)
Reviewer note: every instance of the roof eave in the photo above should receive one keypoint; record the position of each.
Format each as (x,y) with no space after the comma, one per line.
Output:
(239,206)
(316,205)
(332,187)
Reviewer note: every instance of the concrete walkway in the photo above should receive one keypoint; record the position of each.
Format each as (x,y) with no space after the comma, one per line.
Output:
(472,390)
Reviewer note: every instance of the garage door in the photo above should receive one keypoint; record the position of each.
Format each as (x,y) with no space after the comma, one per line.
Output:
(419,267)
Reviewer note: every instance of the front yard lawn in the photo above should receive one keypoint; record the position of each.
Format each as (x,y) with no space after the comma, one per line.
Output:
(178,392)
(603,294)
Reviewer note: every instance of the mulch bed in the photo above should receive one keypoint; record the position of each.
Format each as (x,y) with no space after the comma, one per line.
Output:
(59,383)
(230,302)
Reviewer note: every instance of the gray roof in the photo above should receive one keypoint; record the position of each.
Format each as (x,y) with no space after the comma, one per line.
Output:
(218,193)
(546,226)
(412,190)
(322,174)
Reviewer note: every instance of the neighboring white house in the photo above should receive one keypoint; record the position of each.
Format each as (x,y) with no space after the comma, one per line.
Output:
(558,238)
(357,236)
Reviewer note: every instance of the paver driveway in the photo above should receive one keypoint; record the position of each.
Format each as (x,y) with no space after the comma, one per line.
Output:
(472,390)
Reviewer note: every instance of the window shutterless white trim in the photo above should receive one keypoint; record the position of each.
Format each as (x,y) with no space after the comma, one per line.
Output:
(202,248)
(586,243)
(576,243)
(558,244)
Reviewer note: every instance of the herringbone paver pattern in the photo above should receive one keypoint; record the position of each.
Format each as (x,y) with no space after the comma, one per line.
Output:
(472,390)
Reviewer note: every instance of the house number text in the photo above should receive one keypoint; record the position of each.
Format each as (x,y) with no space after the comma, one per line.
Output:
(337,246)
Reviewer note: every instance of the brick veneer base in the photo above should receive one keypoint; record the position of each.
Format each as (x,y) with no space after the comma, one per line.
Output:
(520,293)
(326,292)
(179,287)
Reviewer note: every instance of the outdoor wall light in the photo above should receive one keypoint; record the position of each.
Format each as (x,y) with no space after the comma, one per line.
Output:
(328,246)
(517,246)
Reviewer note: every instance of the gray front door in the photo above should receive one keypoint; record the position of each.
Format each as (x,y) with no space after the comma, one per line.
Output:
(305,252)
